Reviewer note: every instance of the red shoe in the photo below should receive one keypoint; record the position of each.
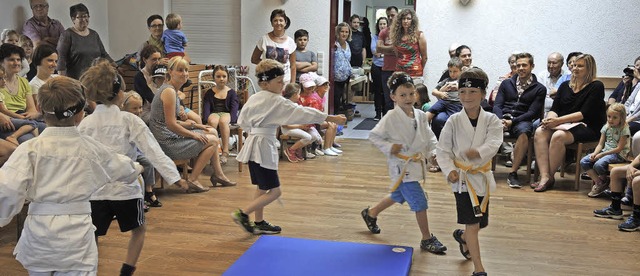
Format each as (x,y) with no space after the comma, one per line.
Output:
(291,155)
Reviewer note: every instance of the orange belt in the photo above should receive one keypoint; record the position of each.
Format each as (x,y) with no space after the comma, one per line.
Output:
(418,157)
(479,208)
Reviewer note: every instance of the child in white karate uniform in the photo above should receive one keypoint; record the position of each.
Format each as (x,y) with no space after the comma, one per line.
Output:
(261,116)
(124,133)
(404,136)
(58,172)
(467,144)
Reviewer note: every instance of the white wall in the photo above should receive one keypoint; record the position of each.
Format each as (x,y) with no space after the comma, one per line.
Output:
(128,24)
(312,16)
(538,27)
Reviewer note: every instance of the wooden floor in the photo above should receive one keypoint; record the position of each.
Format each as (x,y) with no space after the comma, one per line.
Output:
(552,233)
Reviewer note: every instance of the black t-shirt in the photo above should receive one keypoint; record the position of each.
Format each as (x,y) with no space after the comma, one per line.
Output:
(356,45)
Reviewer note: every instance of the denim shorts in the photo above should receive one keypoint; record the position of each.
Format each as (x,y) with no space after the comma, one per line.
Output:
(413,194)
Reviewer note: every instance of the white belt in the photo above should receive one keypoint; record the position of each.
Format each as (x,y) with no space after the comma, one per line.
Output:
(49,209)
(263,131)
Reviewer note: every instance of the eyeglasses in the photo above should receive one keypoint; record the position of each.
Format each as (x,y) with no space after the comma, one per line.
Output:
(156,26)
(40,6)
(84,16)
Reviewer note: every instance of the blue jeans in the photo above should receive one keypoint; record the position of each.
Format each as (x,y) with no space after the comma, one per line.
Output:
(601,166)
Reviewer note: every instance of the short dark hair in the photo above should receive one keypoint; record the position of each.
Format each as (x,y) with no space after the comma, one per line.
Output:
(6,50)
(572,54)
(525,55)
(149,50)
(283,14)
(152,18)
(353,17)
(300,33)
(41,52)
(392,8)
(77,8)
(460,48)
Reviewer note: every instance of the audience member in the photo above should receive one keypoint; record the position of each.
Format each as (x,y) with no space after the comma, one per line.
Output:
(144,82)
(448,100)
(549,78)
(306,61)
(79,45)
(376,70)
(385,46)
(41,28)
(17,92)
(356,43)
(220,108)
(173,38)
(277,45)
(155,24)
(410,44)
(629,81)
(26,44)
(512,64)
(519,102)
(45,58)
(307,133)
(12,37)
(341,66)
(577,115)
(619,175)
(309,98)
(567,75)
(18,126)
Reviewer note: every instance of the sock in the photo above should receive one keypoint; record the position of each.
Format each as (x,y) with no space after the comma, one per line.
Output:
(258,222)
(127,270)
(615,200)
(636,211)
(629,192)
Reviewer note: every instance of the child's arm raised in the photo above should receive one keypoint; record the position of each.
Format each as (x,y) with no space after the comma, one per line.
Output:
(338,119)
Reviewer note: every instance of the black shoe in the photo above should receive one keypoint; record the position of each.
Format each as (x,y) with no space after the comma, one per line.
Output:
(377,117)
(243,220)
(370,221)
(508,163)
(513,181)
(433,245)
(264,227)
(150,202)
(585,176)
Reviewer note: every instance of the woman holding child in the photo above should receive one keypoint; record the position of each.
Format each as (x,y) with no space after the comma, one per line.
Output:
(184,139)
(577,115)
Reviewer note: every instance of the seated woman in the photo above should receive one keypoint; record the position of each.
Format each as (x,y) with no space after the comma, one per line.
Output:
(45,58)
(16,92)
(143,82)
(220,108)
(577,115)
(184,140)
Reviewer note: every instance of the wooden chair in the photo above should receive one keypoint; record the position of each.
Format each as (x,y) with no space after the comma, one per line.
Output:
(581,150)
(286,141)
(183,164)
(510,139)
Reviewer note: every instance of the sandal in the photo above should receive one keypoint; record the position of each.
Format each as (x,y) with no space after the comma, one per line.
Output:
(457,235)
(151,202)
(223,158)
(546,186)
(195,187)
(435,169)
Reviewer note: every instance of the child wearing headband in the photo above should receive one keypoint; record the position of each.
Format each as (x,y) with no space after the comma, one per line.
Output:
(58,172)
(404,136)
(124,133)
(467,144)
(261,116)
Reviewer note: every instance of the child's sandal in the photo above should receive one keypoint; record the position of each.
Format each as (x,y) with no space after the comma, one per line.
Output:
(224,157)
(457,235)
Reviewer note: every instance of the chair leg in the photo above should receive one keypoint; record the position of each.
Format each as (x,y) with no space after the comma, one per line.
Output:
(578,168)
(239,146)
(529,158)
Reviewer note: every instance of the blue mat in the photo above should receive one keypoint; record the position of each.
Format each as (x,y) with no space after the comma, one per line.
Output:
(274,255)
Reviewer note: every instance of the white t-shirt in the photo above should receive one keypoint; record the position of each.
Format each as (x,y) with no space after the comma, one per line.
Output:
(279,52)
(36,83)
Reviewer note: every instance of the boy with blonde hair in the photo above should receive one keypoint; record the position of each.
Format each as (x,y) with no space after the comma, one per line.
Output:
(173,38)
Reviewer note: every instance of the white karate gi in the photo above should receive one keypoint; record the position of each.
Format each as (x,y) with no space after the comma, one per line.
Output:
(57,172)
(261,116)
(397,128)
(458,136)
(123,132)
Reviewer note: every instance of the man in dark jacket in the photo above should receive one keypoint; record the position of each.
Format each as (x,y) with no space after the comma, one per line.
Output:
(519,102)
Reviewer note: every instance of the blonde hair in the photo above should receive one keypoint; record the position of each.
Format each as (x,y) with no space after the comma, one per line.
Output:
(590,76)
(622,112)
(343,25)
(290,90)
(6,33)
(58,94)
(176,63)
(268,64)
(127,98)
(172,21)
(99,81)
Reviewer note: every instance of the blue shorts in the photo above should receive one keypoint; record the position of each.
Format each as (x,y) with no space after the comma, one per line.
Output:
(413,194)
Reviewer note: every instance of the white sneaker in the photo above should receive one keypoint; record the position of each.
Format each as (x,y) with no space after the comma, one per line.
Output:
(319,152)
(329,152)
(310,155)
(338,151)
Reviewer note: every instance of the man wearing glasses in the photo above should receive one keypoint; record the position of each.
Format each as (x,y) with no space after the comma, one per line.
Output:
(40,28)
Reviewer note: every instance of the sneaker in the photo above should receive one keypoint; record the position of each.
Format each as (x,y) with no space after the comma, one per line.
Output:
(336,145)
(310,155)
(479,274)
(508,164)
(608,213)
(632,224)
(264,227)
(370,221)
(513,181)
(319,152)
(597,189)
(329,152)
(627,201)
(377,117)
(433,245)
(299,154)
(338,151)
(242,219)
(291,155)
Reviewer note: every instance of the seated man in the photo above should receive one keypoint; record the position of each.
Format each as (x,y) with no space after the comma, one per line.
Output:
(519,102)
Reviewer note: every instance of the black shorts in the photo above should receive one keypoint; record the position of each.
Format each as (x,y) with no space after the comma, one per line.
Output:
(129,213)
(582,134)
(266,179)
(465,210)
